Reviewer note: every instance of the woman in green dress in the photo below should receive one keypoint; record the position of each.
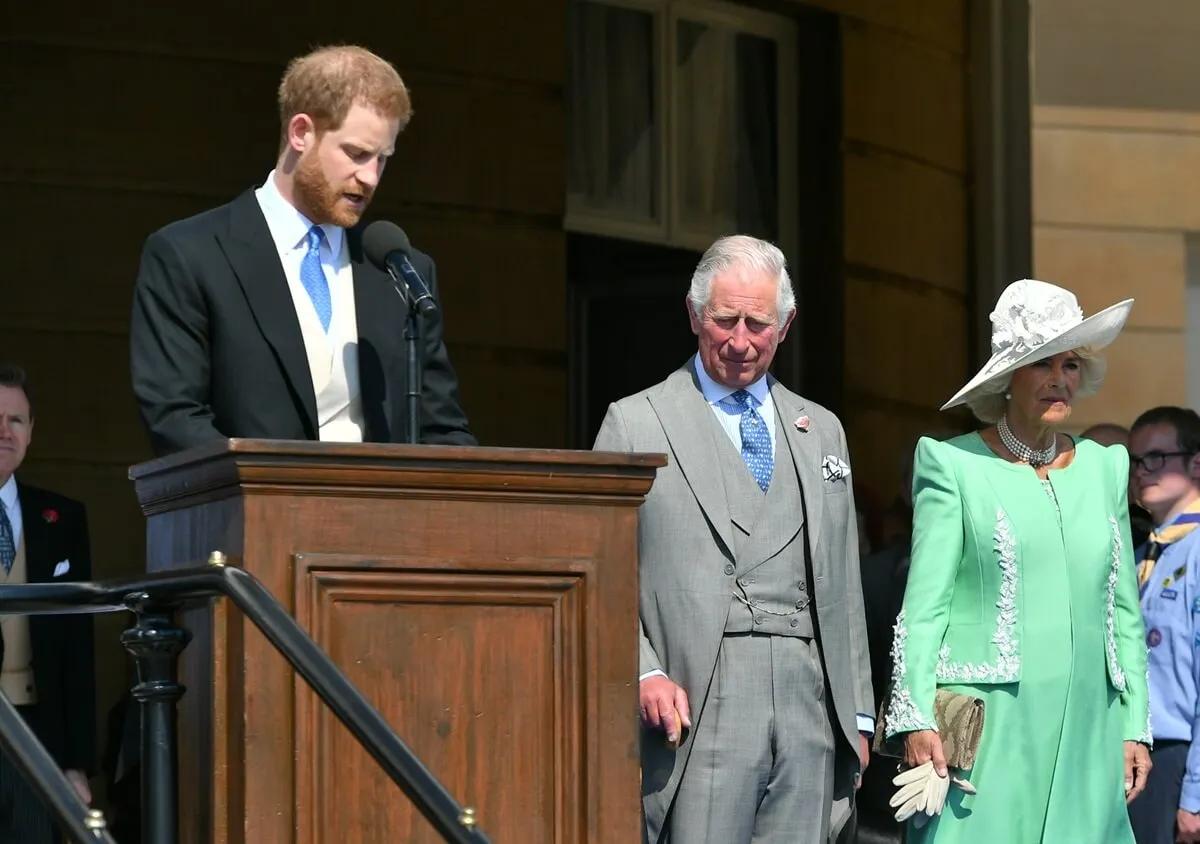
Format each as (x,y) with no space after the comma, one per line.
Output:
(1022,592)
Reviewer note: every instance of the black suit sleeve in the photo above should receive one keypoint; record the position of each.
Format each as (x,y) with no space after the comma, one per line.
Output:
(169,350)
(79,661)
(443,421)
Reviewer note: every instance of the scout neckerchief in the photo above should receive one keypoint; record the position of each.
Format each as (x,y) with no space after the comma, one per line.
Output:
(1185,523)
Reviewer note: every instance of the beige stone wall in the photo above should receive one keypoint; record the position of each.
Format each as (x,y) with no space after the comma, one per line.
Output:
(906,175)
(1113,202)
(1116,141)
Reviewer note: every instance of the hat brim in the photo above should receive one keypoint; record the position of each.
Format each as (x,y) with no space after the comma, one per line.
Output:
(1096,332)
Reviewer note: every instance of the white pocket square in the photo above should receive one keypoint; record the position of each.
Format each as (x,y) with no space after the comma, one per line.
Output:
(834,469)
(62,568)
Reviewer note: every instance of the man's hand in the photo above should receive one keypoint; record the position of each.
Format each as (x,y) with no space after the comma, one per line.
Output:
(79,782)
(1187,827)
(1137,768)
(665,706)
(864,757)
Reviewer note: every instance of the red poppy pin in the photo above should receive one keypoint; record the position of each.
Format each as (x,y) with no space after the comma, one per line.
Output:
(50,515)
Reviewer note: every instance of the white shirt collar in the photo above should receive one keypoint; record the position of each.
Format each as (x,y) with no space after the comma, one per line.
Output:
(289,227)
(715,393)
(8,496)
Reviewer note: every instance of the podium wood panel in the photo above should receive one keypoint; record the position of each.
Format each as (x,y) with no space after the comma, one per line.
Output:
(484,600)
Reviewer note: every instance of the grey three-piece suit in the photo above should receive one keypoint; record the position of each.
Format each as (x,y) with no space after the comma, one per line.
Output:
(751,602)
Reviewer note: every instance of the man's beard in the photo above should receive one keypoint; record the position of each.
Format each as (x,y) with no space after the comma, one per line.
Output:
(322,202)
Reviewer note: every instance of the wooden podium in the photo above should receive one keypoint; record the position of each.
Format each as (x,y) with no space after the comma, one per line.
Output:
(484,600)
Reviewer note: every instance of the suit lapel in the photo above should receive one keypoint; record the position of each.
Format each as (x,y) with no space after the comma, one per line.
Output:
(742,495)
(35,534)
(806,452)
(681,410)
(251,252)
(380,332)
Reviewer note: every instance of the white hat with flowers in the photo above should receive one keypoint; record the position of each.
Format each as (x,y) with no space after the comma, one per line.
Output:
(1034,320)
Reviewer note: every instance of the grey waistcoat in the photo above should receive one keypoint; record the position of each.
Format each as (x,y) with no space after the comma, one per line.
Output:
(772,595)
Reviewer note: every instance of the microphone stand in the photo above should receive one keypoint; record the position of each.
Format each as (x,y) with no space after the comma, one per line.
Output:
(413,346)
(412,337)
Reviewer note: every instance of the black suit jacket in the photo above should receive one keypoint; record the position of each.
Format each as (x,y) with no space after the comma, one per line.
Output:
(216,349)
(64,666)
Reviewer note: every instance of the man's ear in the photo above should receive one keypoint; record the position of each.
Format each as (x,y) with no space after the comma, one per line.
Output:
(695,321)
(301,132)
(787,323)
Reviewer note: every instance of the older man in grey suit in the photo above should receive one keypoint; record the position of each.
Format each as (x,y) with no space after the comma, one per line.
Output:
(751,606)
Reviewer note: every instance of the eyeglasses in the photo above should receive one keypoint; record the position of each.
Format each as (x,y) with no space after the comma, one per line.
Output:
(1152,461)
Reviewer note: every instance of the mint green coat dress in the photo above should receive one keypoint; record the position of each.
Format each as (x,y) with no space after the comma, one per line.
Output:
(1024,593)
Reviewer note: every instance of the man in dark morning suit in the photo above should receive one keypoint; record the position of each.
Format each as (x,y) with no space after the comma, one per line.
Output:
(262,318)
(47,662)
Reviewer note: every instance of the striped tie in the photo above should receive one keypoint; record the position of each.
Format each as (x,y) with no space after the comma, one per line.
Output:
(8,546)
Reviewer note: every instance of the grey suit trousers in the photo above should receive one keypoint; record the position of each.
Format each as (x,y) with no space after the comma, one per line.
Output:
(761,767)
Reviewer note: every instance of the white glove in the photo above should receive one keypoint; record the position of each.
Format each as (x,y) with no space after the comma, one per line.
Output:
(921,790)
(922,793)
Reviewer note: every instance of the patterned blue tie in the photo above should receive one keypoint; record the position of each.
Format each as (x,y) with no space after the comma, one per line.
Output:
(756,442)
(312,274)
(8,548)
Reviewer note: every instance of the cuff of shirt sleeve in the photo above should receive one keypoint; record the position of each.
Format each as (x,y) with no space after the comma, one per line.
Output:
(866,724)
(651,674)
(1189,798)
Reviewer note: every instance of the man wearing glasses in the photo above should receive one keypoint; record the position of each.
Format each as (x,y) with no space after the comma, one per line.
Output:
(1164,452)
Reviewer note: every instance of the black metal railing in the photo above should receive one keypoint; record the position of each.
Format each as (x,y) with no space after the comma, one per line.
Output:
(155,643)
(81,824)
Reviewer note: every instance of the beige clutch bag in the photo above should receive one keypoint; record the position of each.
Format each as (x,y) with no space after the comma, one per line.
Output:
(959,720)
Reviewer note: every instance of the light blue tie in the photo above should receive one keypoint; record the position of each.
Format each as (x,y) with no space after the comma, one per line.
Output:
(312,275)
(8,547)
(756,442)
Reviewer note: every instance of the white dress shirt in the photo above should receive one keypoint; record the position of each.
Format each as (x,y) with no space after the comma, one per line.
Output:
(729,415)
(333,355)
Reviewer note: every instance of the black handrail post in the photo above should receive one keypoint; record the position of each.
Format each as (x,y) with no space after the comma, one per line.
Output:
(155,643)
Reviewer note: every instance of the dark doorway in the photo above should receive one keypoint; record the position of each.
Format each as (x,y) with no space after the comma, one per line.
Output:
(629,326)
(627,321)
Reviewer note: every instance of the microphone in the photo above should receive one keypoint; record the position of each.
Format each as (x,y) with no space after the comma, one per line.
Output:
(387,247)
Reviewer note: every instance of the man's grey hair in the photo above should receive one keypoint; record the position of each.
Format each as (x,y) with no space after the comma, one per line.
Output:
(741,250)
(989,403)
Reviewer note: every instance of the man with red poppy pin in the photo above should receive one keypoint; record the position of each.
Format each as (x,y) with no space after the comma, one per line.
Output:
(47,664)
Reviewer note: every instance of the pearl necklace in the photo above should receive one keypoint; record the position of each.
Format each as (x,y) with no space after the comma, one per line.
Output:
(1033,456)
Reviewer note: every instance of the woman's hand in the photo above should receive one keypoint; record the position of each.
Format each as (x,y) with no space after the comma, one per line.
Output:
(925,746)
(1137,768)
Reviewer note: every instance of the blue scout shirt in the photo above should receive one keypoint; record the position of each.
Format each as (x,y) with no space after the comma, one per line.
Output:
(1171,608)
